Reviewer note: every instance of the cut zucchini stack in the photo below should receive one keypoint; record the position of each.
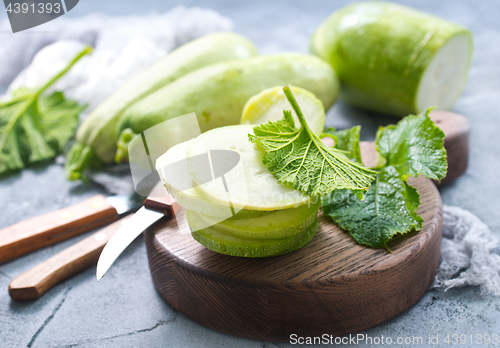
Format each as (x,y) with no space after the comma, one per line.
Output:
(242,237)
(247,212)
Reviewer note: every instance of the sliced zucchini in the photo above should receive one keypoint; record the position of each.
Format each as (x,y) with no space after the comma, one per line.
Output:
(247,214)
(311,232)
(194,198)
(250,184)
(276,225)
(269,104)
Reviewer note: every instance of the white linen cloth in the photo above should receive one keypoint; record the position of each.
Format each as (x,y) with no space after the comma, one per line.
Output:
(468,253)
(123,47)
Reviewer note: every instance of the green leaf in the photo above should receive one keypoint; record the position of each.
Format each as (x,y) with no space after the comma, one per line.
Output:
(414,146)
(347,140)
(59,117)
(34,127)
(389,208)
(299,157)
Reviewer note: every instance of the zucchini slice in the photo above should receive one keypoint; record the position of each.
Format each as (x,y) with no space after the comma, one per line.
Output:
(246,247)
(269,104)
(194,198)
(250,184)
(276,225)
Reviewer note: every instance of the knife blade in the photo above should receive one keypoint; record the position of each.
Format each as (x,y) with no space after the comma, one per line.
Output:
(159,204)
(43,230)
(124,237)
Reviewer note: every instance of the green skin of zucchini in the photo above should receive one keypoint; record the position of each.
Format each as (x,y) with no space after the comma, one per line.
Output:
(380,51)
(230,245)
(218,93)
(280,224)
(97,136)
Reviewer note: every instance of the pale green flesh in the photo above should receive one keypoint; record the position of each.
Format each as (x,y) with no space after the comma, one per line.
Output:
(269,104)
(444,77)
(100,129)
(278,224)
(250,183)
(194,198)
(382,51)
(245,247)
(248,214)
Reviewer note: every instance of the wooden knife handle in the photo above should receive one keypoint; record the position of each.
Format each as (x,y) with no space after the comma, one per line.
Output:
(35,282)
(160,200)
(35,233)
(456,129)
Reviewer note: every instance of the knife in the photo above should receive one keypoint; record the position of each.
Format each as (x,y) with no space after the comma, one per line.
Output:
(34,283)
(184,174)
(40,231)
(159,204)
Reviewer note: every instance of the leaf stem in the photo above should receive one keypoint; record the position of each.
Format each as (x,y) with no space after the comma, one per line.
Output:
(30,100)
(289,95)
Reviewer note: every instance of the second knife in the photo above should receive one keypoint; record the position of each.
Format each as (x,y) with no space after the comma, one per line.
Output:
(40,231)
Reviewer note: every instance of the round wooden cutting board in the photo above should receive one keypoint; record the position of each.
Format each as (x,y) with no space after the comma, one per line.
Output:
(331,286)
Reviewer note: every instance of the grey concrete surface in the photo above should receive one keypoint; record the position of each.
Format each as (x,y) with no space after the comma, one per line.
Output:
(124,309)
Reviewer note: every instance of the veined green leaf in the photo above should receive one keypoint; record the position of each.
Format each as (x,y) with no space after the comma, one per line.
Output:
(299,157)
(34,127)
(415,146)
(389,208)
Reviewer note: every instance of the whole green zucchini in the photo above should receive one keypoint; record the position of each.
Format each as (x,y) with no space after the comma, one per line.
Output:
(394,59)
(97,135)
(218,93)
